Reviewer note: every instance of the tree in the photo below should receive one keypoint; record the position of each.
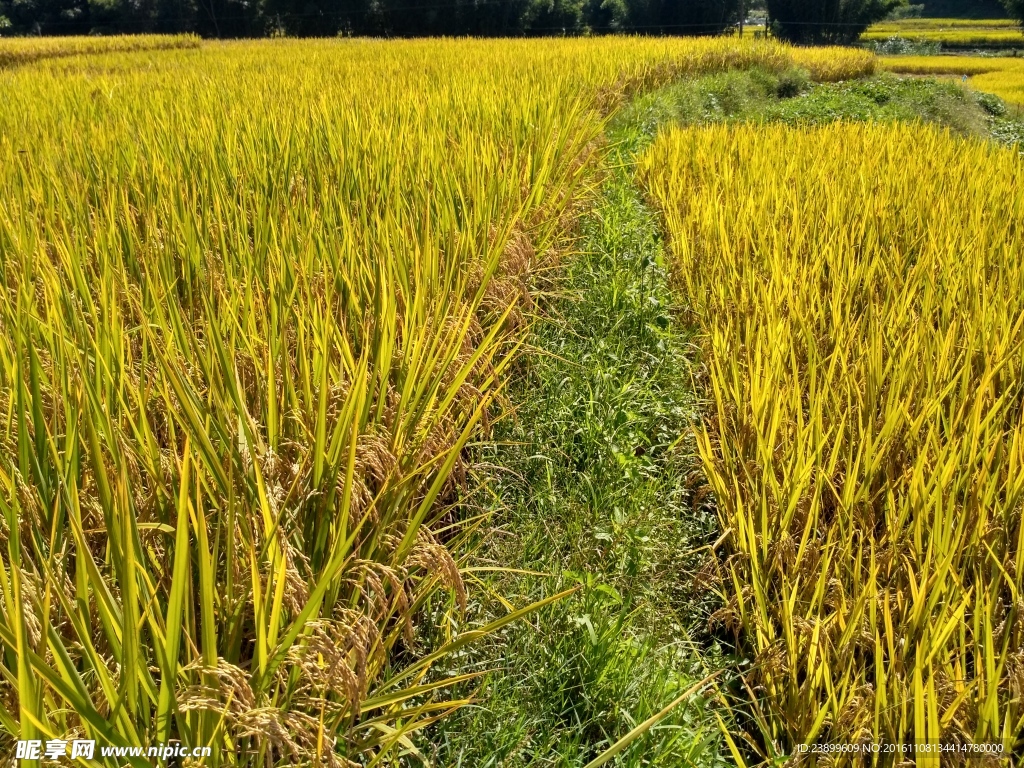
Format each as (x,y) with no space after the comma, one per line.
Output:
(45,17)
(682,17)
(962,9)
(108,17)
(826,21)
(1016,9)
(605,16)
(387,18)
(556,17)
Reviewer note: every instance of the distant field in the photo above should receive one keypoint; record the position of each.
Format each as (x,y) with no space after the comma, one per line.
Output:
(951,33)
(1003,76)
(27,49)
(934,24)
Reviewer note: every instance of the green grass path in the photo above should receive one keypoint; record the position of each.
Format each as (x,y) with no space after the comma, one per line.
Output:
(596,487)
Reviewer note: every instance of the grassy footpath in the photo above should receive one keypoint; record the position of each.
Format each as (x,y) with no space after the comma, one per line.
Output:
(594,491)
(594,479)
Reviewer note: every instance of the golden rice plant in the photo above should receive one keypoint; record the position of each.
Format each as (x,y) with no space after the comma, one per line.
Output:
(1007,83)
(861,297)
(925,24)
(997,37)
(833,63)
(945,65)
(1002,76)
(257,300)
(962,33)
(24,50)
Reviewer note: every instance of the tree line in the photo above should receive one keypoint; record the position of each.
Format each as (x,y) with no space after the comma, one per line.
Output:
(393,18)
(799,21)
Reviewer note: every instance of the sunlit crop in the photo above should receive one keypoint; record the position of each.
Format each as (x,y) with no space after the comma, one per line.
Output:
(257,299)
(24,50)
(958,33)
(861,296)
(925,24)
(833,63)
(946,65)
(1002,76)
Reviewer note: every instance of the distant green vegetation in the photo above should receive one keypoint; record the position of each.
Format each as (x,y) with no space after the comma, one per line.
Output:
(962,9)
(815,22)
(791,98)
(391,18)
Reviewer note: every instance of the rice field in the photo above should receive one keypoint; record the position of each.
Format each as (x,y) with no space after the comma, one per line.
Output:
(951,33)
(1002,76)
(16,51)
(259,307)
(258,298)
(860,298)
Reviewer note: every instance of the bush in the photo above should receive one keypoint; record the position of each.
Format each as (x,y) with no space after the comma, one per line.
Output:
(901,46)
(792,83)
(991,104)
